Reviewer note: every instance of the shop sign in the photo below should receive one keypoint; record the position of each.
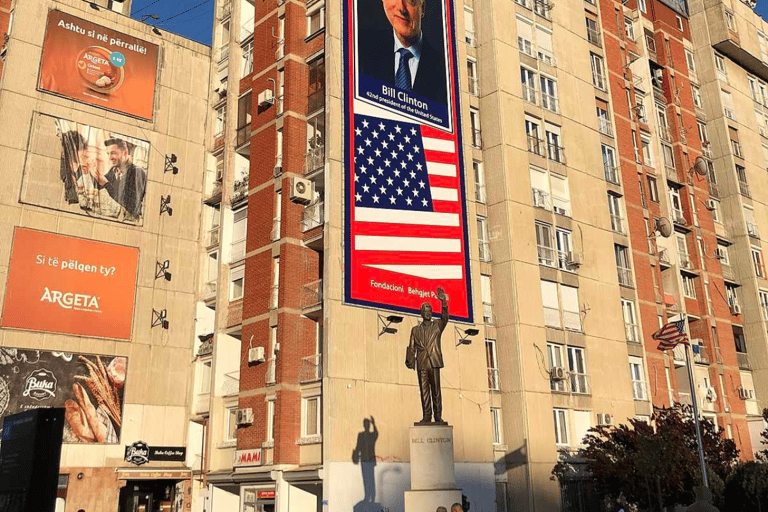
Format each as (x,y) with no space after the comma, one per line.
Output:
(137,453)
(140,453)
(152,475)
(245,458)
(270,494)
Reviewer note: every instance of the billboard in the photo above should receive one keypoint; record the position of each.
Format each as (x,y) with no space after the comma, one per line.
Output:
(83,169)
(88,387)
(405,210)
(92,64)
(69,285)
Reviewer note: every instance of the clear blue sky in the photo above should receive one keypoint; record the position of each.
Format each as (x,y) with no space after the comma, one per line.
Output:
(195,24)
(762,8)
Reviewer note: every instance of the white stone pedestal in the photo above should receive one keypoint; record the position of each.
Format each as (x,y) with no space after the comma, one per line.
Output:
(433,481)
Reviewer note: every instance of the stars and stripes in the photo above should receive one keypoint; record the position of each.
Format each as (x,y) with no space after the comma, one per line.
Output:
(406,199)
(671,334)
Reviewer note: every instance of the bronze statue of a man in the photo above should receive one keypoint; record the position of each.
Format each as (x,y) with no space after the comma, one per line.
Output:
(425,353)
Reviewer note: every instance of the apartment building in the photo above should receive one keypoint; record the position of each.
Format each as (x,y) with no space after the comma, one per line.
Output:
(103,174)
(730,54)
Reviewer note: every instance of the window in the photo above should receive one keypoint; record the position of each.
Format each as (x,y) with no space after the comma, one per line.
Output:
(555,360)
(275,295)
(544,246)
(682,251)
(690,61)
(564,248)
(653,190)
(757,262)
(544,49)
(645,143)
(598,71)
(483,243)
(485,293)
(231,415)
(311,420)
(578,370)
(492,362)
(221,115)
(753,89)
(555,150)
(722,254)
(614,209)
(741,175)
(764,303)
(635,148)
(696,93)
(561,426)
(548,93)
(479,181)
(239,231)
(669,157)
(728,110)
(642,6)
(630,321)
(270,419)
(689,286)
(474,122)
(639,109)
(525,36)
(629,28)
(637,375)
(247,62)
(469,26)
(244,112)
(731,296)
(650,42)
(622,265)
(550,190)
(609,164)
(604,120)
(474,86)
(729,21)
(316,135)
(533,132)
(593,32)
(679,22)
(316,90)
(528,80)
(562,310)
(749,216)
(763,41)
(280,95)
(315,18)
(720,65)
(496,423)
(280,53)
(236,282)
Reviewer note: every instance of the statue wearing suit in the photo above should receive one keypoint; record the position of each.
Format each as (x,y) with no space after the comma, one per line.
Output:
(402,56)
(425,353)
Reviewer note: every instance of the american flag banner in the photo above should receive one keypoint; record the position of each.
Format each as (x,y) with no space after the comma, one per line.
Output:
(670,335)
(405,210)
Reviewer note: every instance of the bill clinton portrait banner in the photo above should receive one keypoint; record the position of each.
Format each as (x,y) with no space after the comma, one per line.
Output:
(405,210)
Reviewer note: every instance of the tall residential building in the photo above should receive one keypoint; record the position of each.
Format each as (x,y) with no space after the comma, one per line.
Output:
(730,55)
(103,155)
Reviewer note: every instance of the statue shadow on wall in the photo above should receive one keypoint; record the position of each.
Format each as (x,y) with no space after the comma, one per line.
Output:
(364,455)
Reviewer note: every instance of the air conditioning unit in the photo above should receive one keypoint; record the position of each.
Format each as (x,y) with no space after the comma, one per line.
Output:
(574,259)
(244,417)
(266,97)
(256,355)
(605,420)
(735,309)
(746,394)
(558,373)
(302,190)
(720,253)
(711,204)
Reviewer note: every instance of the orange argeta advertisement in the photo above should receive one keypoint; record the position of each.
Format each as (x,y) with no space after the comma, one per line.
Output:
(68,285)
(99,66)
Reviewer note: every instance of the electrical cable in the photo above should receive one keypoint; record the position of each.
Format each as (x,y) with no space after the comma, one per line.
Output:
(137,12)
(184,12)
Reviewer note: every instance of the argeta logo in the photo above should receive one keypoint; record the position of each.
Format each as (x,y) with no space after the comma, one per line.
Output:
(69,300)
(137,453)
(40,385)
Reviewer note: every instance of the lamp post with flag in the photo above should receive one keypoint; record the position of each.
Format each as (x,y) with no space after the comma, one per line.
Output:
(670,336)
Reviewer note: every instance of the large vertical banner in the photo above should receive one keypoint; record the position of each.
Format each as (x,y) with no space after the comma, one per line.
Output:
(99,66)
(405,210)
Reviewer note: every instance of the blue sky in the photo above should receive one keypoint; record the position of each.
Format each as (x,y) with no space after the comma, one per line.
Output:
(762,9)
(195,24)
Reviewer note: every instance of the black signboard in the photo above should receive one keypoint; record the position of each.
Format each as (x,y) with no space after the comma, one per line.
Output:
(140,453)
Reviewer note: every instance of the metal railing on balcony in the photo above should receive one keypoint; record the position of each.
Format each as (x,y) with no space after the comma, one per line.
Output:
(593,36)
(243,135)
(493,379)
(535,145)
(632,332)
(540,199)
(311,369)
(744,188)
(314,159)
(547,255)
(743,361)
(542,8)
(625,276)
(312,216)
(477,139)
(529,94)
(605,126)
(312,294)
(549,102)
(485,250)
(611,173)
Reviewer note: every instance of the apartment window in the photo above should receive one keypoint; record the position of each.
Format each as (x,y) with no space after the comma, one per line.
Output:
(704,137)
(555,360)
(244,112)
(669,157)
(753,87)
(236,282)
(696,93)
(496,424)
(741,175)
(548,93)
(492,362)
(270,419)
(653,189)
(479,172)
(280,93)
(316,90)
(485,293)
(474,122)
(561,310)
(315,18)
(679,22)
(757,262)
(544,49)
(689,286)
(609,164)
(615,211)
(642,6)
(528,81)
(231,415)
(650,42)
(316,133)
(474,86)
(729,21)
(682,251)
(577,369)
(598,71)
(593,32)
(533,132)
(483,243)
(727,100)
(311,420)
(469,26)
(763,41)
(561,426)
(274,296)
(637,375)
(629,28)
(639,109)
(561,199)
(621,254)
(544,244)
(604,120)
(221,115)
(716,212)
(732,297)
(247,62)
(635,148)
(525,36)
(564,248)
(280,53)
(645,144)
(690,61)
(239,231)
(631,329)
(749,216)
(555,150)
(764,303)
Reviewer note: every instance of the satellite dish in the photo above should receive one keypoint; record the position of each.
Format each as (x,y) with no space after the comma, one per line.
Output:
(700,166)
(664,227)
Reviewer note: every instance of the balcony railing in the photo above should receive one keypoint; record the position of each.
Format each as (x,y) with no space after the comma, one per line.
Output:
(743,361)
(311,369)
(605,126)
(593,36)
(611,173)
(540,198)
(312,216)
(744,188)
(477,139)
(314,159)
(549,102)
(312,294)
(546,255)
(485,250)
(632,333)
(529,94)
(535,145)
(625,276)
(542,7)
(493,379)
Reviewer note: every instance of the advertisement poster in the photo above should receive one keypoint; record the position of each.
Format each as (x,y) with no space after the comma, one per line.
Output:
(69,285)
(86,170)
(98,66)
(88,387)
(405,217)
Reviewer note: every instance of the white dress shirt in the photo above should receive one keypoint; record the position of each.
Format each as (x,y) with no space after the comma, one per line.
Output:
(413,63)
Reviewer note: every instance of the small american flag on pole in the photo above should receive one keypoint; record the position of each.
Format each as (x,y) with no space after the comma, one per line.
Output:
(671,334)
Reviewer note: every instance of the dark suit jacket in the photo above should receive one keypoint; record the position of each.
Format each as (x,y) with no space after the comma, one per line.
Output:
(129,189)
(425,338)
(376,59)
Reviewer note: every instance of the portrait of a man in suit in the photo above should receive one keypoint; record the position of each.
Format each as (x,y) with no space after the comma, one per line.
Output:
(399,53)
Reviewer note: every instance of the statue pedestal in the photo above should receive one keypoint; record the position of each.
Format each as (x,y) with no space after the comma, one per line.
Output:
(433,481)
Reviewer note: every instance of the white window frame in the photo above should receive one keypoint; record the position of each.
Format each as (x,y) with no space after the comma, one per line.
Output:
(615,211)
(631,327)
(720,65)
(236,274)
(579,380)
(498,435)
(231,420)
(318,8)
(271,402)
(555,359)
(305,401)
(637,376)
(598,71)
(689,286)
(763,296)
(757,261)
(562,429)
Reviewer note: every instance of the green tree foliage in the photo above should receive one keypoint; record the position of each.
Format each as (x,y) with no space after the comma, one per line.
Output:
(652,464)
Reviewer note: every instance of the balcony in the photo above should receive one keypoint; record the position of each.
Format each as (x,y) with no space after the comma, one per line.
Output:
(240,190)
(611,173)
(311,369)
(546,255)
(743,361)
(314,159)
(230,385)
(625,276)
(243,136)
(632,333)
(477,139)
(700,356)
(312,295)
(535,145)
(752,230)
(678,217)
(312,217)
(685,262)
(744,188)
(549,102)
(540,199)
(542,8)
(529,94)
(593,36)
(493,379)
(485,251)
(605,126)
(212,238)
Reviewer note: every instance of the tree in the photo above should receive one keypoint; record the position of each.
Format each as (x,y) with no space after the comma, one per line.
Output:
(746,489)
(653,464)
(762,455)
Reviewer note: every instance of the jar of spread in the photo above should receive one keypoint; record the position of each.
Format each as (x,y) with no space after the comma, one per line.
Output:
(97,70)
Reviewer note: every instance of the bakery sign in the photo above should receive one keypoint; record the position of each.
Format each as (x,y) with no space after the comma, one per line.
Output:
(245,458)
(140,453)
